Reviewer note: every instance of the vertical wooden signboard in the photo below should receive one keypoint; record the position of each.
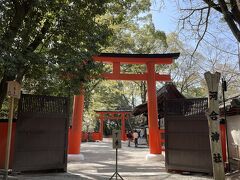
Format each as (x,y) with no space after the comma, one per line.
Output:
(13,91)
(213,123)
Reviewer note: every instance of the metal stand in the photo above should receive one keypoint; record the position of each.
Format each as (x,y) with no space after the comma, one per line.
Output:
(116,171)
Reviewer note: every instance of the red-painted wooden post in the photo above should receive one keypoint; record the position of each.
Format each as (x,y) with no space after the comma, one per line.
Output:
(223,141)
(154,135)
(123,126)
(101,126)
(75,133)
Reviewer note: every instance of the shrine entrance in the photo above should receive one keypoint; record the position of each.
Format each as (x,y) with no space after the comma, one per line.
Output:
(114,115)
(150,60)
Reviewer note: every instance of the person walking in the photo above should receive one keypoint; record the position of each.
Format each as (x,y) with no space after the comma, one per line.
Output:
(142,133)
(135,137)
(129,136)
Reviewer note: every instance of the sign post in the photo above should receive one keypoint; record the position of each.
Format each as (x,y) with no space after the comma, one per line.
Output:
(13,91)
(116,135)
(213,123)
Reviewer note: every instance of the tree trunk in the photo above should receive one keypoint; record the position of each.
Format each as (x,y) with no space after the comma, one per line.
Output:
(143,90)
(3,88)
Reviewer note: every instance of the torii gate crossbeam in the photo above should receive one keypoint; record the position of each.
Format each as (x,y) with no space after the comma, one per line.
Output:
(104,115)
(150,76)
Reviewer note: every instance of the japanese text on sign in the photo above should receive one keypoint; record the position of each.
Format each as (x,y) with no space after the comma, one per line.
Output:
(215,136)
(213,95)
(213,115)
(14,89)
(116,135)
(217,157)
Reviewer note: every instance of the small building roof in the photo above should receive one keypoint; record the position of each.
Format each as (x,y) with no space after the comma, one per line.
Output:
(232,106)
(169,91)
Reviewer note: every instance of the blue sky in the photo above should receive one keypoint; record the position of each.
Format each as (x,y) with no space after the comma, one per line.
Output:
(164,18)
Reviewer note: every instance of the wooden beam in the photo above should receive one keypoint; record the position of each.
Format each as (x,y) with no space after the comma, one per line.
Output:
(135,77)
(163,77)
(133,60)
(116,68)
(111,76)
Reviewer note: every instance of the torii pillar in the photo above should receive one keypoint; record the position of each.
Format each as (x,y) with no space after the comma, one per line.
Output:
(154,135)
(75,133)
(101,125)
(150,76)
(123,129)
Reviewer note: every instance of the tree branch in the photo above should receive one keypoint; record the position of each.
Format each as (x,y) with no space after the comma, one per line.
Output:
(204,32)
(22,70)
(213,5)
(38,39)
(228,17)
(235,5)
(21,10)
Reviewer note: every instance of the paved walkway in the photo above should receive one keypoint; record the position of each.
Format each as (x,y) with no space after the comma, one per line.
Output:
(99,164)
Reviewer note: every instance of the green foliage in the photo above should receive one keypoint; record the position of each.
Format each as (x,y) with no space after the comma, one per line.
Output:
(47,45)
(4,111)
(110,125)
(109,95)
(137,37)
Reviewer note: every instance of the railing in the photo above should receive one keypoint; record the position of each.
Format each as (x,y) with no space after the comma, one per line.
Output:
(187,107)
(43,104)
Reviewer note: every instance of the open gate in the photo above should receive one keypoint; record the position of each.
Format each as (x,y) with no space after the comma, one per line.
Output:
(187,144)
(41,133)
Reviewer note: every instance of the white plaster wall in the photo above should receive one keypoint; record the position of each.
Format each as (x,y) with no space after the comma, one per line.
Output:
(233,130)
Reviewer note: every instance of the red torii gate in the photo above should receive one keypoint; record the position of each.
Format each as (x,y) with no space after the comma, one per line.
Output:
(111,115)
(150,76)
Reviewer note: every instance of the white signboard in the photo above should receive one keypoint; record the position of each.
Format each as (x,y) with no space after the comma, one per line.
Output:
(116,135)
(14,89)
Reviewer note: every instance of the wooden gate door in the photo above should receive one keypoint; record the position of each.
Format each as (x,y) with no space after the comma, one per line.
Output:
(186,136)
(41,133)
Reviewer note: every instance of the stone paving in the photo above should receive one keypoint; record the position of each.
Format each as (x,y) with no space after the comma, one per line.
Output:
(99,164)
